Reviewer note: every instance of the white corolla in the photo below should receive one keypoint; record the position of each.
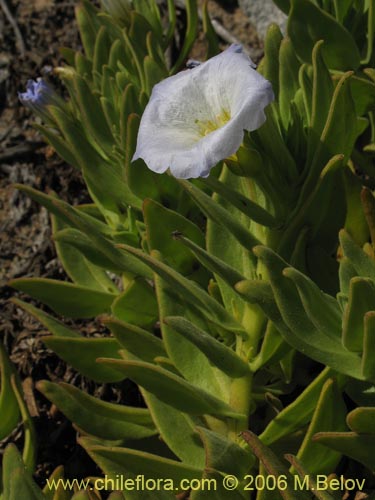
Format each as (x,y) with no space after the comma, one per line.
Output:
(196,118)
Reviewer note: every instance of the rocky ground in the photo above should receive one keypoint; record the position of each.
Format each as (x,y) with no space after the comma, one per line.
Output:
(31,33)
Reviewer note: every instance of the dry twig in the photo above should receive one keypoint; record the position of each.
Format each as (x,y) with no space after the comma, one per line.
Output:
(13,23)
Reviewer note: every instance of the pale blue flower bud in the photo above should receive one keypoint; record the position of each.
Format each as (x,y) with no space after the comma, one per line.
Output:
(38,96)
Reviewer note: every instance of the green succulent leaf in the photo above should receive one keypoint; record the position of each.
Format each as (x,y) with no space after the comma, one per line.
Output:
(178,430)
(362,263)
(99,418)
(218,354)
(241,202)
(270,63)
(289,80)
(161,225)
(172,389)
(362,420)
(220,216)
(225,455)
(139,342)
(88,25)
(79,269)
(58,493)
(123,460)
(230,275)
(308,24)
(320,494)
(66,298)
(322,93)
(136,304)
(81,242)
(9,410)
(329,415)
(189,290)
(273,466)
(361,301)
(368,357)
(357,446)
(301,332)
(299,412)
(322,309)
(21,484)
(96,230)
(82,353)
(190,34)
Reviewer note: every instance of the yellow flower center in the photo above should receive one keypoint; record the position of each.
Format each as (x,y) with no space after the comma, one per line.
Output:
(206,127)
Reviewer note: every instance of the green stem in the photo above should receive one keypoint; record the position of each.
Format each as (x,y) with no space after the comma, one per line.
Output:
(241,401)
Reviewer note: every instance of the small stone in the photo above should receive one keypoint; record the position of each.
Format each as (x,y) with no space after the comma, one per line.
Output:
(262,13)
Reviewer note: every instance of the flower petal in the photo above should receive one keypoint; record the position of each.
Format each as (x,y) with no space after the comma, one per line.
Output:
(183,127)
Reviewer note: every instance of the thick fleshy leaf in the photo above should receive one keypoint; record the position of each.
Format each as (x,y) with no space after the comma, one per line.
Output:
(161,225)
(88,25)
(96,230)
(59,492)
(221,216)
(273,348)
(362,420)
(322,309)
(29,438)
(363,91)
(218,354)
(273,466)
(329,415)
(66,298)
(98,418)
(311,484)
(92,116)
(225,455)
(361,301)
(301,332)
(209,32)
(308,24)
(104,180)
(322,93)
(189,290)
(222,244)
(80,241)
(269,67)
(360,447)
(63,339)
(139,342)
(362,263)
(289,83)
(178,430)
(80,270)
(123,460)
(190,360)
(82,353)
(17,480)
(270,139)
(9,410)
(368,356)
(299,412)
(242,203)
(190,33)
(172,389)
(60,145)
(137,304)
(217,266)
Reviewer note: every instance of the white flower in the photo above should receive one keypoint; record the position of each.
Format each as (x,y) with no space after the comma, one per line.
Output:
(196,118)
